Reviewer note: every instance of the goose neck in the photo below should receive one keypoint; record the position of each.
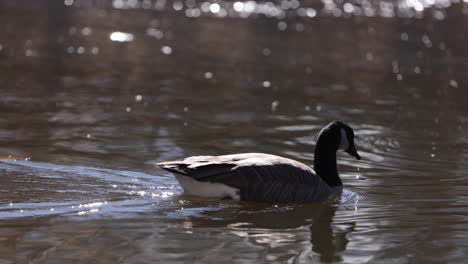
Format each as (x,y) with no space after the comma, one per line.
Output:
(325,166)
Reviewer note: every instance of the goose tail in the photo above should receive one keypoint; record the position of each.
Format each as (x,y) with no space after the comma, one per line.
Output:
(173,166)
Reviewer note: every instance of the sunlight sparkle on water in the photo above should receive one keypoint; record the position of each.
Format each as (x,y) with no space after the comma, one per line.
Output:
(282,26)
(80,50)
(238,6)
(178,5)
(285,8)
(86,31)
(91,205)
(166,50)
(121,36)
(158,34)
(453,83)
(274,105)
(215,8)
(208,75)
(94,50)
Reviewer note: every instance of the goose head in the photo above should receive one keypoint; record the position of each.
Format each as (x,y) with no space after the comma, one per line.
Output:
(338,136)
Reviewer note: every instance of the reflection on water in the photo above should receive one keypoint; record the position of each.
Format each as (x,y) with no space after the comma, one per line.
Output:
(93,93)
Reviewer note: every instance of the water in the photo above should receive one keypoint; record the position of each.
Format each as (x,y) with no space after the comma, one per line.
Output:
(93,93)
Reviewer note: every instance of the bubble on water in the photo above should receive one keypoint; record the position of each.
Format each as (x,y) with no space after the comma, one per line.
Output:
(302,12)
(29,53)
(86,31)
(205,7)
(193,12)
(94,50)
(274,105)
(395,67)
(348,8)
(399,76)
(285,4)
(427,41)
(146,4)
(453,83)
(439,14)
(442,46)
(208,75)
(318,108)
(311,12)
(154,23)
(369,56)
(433,155)
(52,209)
(166,50)
(300,27)
(238,6)
(420,54)
(88,136)
(128,109)
(417,70)
(72,30)
(250,6)
(186,109)
(266,52)
(282,26)
(68,2)
(121,36)
(307,108)
(156,33)
(80,50)
(266,84)
(118,4)
(369,11)
(404,36)
(337,12)
(138,97)
(215,8)
(418,6)
(177,5)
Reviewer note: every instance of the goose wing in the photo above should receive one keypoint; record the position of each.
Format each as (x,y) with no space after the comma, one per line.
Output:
(258,176)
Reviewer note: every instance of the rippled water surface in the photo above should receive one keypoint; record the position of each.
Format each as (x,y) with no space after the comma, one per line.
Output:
(93,93)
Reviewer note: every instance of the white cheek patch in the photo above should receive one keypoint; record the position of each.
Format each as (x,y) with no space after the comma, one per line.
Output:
(344,144)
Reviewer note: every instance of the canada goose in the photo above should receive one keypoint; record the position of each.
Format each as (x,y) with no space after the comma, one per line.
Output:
(268,178)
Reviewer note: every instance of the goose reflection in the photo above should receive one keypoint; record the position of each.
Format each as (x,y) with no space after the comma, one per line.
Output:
(269,224)
(328,243)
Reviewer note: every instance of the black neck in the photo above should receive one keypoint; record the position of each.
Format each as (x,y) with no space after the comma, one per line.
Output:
(325,165)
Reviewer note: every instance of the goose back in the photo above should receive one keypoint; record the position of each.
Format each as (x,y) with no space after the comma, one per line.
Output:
(256,176)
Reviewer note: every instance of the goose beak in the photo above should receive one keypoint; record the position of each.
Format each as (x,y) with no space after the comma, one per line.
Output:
(353,152)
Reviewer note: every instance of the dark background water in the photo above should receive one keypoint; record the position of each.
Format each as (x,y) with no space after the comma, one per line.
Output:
(85,112)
